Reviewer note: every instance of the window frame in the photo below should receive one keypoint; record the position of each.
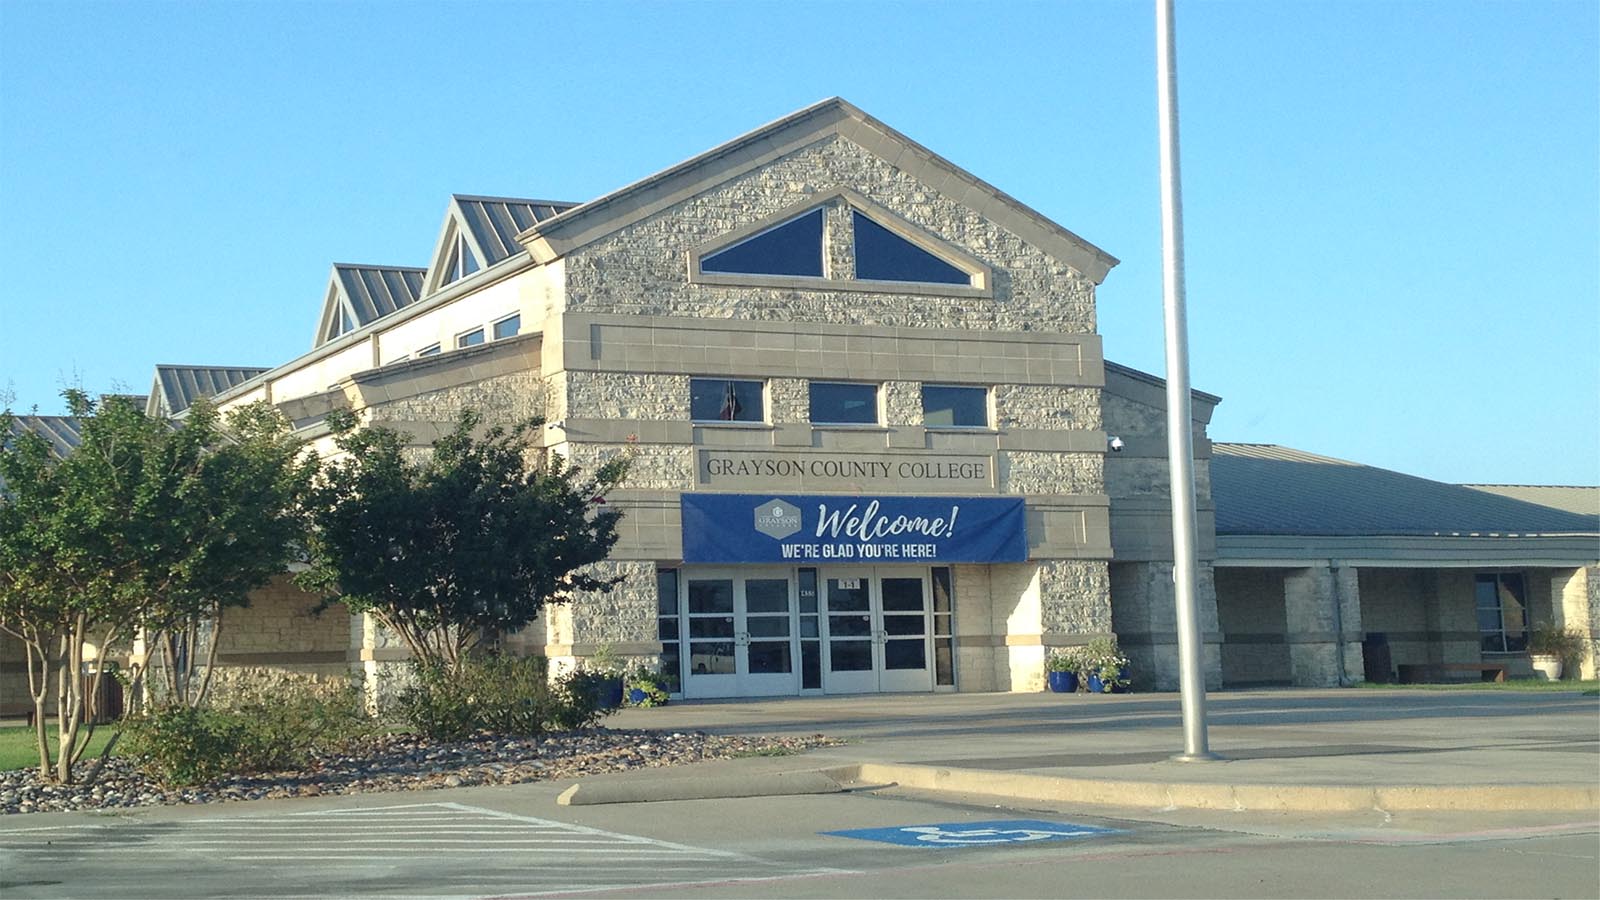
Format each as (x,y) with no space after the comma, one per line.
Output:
(433,349)
(877,405)
(461,338)
(988,405)
(494,327)
(982,285)
(1505,638)
(761,387)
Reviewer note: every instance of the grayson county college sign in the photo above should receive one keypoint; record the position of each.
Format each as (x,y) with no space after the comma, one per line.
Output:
(731,528)
(811,470)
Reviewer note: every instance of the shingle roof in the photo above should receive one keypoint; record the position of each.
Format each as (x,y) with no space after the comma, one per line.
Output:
(1265,489)
(63,432)
(176,387)
(495,222)
(1572,498)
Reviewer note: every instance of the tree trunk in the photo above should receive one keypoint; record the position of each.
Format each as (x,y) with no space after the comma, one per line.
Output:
(211,652)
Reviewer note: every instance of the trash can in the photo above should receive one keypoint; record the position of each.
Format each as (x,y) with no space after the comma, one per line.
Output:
(1377,666)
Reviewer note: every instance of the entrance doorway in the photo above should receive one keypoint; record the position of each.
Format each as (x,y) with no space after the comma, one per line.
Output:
(877,630)
(741,631)
(760,632)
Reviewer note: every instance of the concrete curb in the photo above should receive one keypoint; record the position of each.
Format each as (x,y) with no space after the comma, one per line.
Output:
(721,787)
(1181,795)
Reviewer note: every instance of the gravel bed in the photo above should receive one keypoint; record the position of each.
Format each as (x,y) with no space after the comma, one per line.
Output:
(402,763)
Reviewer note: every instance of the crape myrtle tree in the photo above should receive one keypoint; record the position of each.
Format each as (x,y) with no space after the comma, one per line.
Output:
(236,521)
(145,524)
(453,549)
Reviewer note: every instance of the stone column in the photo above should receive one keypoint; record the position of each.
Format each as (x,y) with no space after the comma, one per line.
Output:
(1322,606)
(1575,598)
(1145,617)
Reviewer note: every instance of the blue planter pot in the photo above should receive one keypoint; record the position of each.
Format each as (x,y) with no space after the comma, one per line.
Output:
(636,696)
(1096,686)
(1062,682)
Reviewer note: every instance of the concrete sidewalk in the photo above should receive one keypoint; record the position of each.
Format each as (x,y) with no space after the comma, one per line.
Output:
(1304,750)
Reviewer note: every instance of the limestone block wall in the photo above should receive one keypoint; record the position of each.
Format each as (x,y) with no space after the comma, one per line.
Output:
(1017,622)
(1453,616)
(1144,616)
(1575,594)
(1254,626)
(622,620)
(1322,606)
(1395,602)
(643,268)
(280,640)
(976,640)
(1047,407)
(502,400)
(14,696)
(1051,472)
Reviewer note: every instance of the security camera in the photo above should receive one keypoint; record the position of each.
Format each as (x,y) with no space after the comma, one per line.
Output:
(552,426)
(1116,444)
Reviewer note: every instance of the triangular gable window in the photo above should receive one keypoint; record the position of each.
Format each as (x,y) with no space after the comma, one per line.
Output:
(790,248)
(882,255)
(460,262)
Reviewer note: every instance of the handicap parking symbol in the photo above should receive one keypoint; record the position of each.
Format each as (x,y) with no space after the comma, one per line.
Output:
(976,834)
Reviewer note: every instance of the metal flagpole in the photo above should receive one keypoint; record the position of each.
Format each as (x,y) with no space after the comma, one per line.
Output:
(1180,445)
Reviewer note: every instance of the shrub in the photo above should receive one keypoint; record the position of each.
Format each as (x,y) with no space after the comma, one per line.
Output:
(1104,657)
(182,745)
(501,695)
(1564,643)
(1067,659)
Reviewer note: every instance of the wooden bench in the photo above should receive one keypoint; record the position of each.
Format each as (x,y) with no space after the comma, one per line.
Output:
(1428,673)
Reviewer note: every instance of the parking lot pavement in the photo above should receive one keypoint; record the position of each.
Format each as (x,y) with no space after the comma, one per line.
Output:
(433,849)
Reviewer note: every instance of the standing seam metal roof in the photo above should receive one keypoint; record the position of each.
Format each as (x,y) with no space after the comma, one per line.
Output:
(495,222)
(177,387)
(64,433)
(376,291)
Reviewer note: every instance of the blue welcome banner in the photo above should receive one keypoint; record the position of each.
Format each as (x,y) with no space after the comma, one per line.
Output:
(812,528)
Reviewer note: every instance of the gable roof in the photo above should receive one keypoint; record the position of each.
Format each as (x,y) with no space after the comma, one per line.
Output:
(490,226)
(364,294)
(584,224)
(176,387)
(1266,489)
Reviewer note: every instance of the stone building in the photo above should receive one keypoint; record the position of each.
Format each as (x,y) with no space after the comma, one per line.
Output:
(867,408)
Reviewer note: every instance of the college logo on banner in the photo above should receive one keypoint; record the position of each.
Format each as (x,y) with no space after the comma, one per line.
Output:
(727,528)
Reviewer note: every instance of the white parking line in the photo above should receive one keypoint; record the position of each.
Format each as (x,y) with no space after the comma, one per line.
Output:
(450,849)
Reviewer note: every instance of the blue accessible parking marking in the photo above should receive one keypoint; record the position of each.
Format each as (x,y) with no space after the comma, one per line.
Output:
(976,834)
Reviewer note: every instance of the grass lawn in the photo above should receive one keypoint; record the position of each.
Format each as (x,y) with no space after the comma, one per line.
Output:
(1510,684)
(17,750)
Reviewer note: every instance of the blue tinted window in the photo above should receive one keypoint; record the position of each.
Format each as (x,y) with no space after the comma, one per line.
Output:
(470,339)
(508,326)
(793,248)
(949,406)
(882,255)
(724,400)
(844,404)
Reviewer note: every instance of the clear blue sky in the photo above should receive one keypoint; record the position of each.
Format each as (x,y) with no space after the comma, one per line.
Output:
(1393,209)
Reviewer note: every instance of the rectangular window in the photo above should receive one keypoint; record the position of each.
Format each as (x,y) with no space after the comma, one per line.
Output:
(667,628)
(725,400)
(510,326)
(944,659)
(837,403)
(471,338)
(950,406)
(1502,612)
(430,350)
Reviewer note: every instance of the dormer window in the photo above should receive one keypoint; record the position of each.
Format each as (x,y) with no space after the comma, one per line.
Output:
(790,248)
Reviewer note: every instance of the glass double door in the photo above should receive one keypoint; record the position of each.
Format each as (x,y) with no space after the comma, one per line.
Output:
(876,630)
(740,626)
(754,632)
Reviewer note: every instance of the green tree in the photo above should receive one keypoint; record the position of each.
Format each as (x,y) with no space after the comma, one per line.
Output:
(234,520)
(145,524)
(75,541)
(456,548)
